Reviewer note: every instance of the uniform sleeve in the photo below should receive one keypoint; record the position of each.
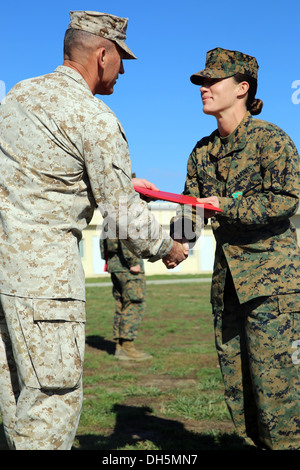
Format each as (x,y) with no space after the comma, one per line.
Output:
(108,168)
(279,195)
(191,187)
(188,222)
(129,257)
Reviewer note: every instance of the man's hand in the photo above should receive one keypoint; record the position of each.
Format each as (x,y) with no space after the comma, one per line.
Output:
(179,252)
(135,269)
(142,183)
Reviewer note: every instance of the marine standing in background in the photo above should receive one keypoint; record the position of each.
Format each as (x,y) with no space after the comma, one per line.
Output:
(250,169)
(129,285)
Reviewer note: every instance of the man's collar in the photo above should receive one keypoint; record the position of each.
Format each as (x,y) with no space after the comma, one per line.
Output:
(72,73)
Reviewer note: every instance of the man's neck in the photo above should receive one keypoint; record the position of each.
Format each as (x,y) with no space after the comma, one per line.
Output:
(83,71)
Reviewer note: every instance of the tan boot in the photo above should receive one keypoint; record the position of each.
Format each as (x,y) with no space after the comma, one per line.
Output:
(118,349)
(127,352)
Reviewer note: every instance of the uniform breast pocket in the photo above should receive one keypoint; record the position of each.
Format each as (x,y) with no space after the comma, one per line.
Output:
(246,183)
(209,185)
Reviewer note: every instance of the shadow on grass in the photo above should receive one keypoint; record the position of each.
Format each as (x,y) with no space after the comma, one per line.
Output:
(135,425)
(101,343)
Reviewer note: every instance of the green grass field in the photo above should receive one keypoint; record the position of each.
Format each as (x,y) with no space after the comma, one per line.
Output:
(173,402)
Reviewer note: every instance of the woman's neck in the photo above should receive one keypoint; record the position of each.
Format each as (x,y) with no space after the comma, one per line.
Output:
(228,122)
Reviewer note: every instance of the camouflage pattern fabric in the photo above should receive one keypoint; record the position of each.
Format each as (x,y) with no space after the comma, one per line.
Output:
(128,288)
(63,152)
(129,294)
(222,63)
(104,25)
(119,258)
(41,358)
(262,383)
(255,174)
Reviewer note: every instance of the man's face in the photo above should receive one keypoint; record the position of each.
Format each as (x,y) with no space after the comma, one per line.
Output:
(112,67)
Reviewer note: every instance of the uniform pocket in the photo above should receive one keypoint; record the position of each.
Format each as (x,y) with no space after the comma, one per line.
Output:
(209,186)
(56,346)
(246,183)
(272,330)
(289,303)
(135,289)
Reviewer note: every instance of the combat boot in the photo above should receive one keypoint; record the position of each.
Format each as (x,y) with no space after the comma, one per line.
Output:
(126,351)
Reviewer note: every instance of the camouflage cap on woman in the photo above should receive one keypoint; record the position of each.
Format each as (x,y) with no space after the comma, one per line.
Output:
(104,25)
(222,63)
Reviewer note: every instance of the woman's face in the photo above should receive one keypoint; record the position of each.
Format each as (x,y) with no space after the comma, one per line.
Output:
(220,95)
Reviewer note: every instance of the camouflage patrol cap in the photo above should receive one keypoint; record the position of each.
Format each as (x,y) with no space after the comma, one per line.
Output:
(222,63)
(102,24)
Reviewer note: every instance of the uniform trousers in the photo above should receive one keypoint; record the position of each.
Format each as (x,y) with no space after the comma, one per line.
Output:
(129,294)
(258,345)
(41,362)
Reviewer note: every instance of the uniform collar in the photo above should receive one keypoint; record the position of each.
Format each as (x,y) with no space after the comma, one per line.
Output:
(73,74)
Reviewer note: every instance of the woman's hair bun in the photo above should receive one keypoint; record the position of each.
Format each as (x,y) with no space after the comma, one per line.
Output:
(256,106)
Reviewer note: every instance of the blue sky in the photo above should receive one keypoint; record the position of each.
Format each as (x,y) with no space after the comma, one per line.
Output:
(155,101)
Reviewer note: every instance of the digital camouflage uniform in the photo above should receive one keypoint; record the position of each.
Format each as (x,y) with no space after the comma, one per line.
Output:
(128,288)
(255,292)
(63,153)
(255,287)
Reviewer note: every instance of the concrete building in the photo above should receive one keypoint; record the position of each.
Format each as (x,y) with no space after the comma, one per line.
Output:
(199,261)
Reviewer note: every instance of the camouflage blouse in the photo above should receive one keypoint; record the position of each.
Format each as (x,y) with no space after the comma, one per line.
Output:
(255,174)
(63,153)
(119,258)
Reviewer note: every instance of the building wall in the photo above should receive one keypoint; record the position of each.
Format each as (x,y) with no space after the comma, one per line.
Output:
(199,261)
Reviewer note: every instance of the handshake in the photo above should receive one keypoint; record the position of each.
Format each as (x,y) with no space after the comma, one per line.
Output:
(178,253)
(180,249)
